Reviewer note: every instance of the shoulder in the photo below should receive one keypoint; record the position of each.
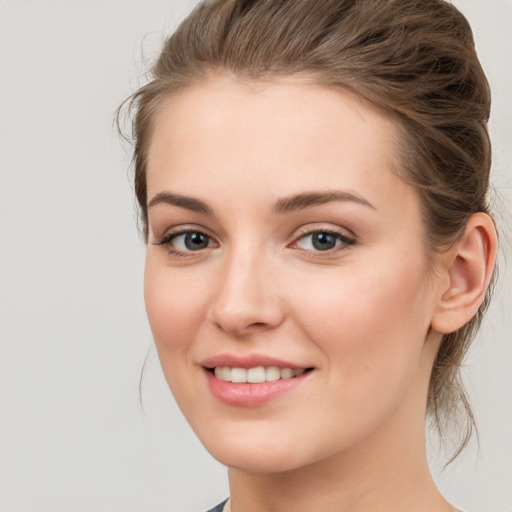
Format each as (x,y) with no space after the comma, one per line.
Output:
(219,507)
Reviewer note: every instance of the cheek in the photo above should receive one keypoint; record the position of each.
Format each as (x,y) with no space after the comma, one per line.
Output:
(371,331)
(176,307)
(175,304)
(370,321)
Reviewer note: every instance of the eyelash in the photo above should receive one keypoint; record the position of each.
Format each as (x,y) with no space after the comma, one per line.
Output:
(166,242)
(345,241)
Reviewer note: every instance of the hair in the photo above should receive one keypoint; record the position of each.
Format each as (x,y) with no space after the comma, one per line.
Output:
(414,58)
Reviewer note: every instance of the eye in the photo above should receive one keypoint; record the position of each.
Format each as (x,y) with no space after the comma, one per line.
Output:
(322,241)
(190,241)
(186,242)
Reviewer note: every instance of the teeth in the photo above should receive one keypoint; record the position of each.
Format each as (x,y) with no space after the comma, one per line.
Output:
(272,373)
(226,374)
(286,373)
(255,375)
(238,375)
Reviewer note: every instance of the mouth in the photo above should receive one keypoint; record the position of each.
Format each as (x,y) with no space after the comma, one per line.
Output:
(254,380)
(256,375)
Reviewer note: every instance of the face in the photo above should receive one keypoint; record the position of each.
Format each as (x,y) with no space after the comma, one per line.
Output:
(286,281)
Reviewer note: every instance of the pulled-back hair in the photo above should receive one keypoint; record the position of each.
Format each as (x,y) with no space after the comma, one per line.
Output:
(414,58)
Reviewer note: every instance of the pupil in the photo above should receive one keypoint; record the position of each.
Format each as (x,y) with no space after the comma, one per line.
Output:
(196,241)
(324,241)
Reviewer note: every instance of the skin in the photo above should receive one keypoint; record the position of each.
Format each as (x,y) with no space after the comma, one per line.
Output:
(351,436)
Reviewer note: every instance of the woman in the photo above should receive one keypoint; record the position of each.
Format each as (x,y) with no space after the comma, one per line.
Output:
(312,178)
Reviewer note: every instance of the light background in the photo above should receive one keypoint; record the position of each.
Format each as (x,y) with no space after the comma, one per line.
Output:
(73,328)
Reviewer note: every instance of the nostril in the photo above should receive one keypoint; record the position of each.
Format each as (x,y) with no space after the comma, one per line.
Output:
(243,302)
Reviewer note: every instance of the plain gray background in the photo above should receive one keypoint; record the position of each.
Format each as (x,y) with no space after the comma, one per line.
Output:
(73,329)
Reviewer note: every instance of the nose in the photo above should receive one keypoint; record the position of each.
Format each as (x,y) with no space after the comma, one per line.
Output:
(246,299)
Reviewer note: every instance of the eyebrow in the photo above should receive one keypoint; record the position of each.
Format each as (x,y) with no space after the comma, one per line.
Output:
(282,205)
(308,199)
(189,203)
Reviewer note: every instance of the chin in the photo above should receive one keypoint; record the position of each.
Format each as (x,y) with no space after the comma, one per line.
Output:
(255,460)
(260,453)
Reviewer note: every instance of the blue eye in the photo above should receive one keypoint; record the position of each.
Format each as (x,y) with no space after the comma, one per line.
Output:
(192,241)
(186,242)
(322,241)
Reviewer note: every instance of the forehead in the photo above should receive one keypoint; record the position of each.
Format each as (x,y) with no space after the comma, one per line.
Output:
(271,137)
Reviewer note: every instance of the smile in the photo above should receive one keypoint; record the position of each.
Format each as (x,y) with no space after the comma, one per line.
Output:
(256,375)
(253,380)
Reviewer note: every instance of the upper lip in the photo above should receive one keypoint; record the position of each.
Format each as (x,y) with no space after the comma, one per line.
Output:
(248,361)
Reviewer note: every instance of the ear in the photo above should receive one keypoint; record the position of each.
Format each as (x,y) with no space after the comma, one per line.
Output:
(466,271)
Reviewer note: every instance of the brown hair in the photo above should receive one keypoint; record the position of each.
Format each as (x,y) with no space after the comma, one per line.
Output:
(414,58)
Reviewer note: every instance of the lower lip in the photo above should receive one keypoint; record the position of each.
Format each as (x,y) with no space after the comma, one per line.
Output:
(251,395)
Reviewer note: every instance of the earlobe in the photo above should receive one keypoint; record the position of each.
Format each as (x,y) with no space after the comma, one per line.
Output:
(468,271)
